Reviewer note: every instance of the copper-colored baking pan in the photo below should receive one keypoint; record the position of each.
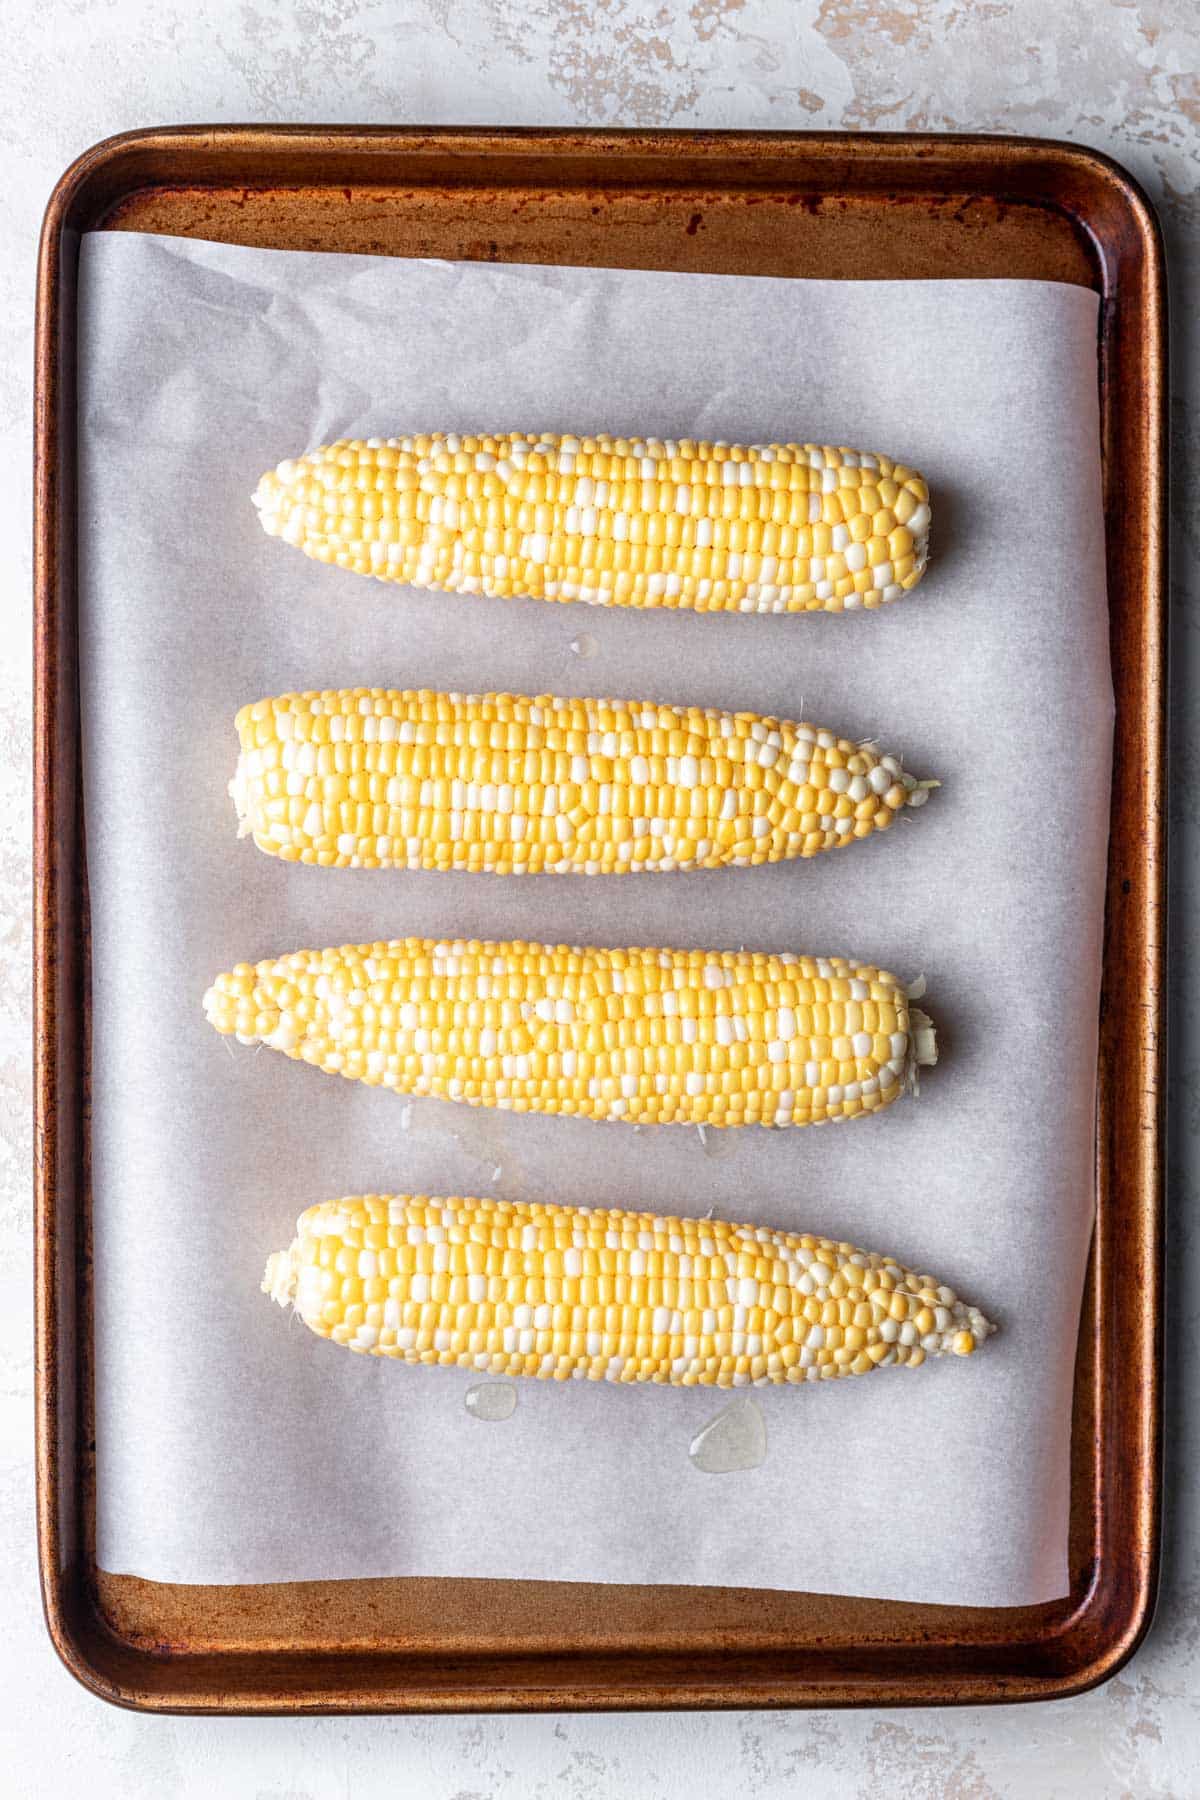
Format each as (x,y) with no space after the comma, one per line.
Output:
(806,205)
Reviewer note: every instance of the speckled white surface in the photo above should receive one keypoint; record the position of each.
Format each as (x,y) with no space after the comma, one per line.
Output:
(1118,74)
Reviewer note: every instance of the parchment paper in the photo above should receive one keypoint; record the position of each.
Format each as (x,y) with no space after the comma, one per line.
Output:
(235,1446)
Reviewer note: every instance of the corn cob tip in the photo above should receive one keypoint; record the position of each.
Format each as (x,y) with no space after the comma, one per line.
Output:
(239,793)
(268,499)
(923,1036)
(261,498)
(917,792)
(279,1280)
(967,1330)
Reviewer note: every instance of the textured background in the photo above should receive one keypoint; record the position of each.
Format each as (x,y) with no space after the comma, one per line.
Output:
(1121,76)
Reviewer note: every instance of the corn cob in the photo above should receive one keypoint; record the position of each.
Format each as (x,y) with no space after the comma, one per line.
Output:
(372,778)
(567,1293)
(651,1036)
(615,521)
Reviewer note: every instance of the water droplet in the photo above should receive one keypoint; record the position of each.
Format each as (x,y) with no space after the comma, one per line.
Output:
(735,1439)
(492,1400)
(498,1171)
(584,645)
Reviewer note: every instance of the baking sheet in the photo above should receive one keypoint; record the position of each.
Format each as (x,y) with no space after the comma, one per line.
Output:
(232,1445)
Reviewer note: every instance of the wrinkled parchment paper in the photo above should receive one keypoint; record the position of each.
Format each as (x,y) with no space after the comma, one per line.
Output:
(235,1446)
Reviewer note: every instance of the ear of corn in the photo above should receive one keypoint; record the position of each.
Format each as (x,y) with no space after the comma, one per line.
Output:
(568,1293)
(614,521)
(374,778)
(649,1036)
